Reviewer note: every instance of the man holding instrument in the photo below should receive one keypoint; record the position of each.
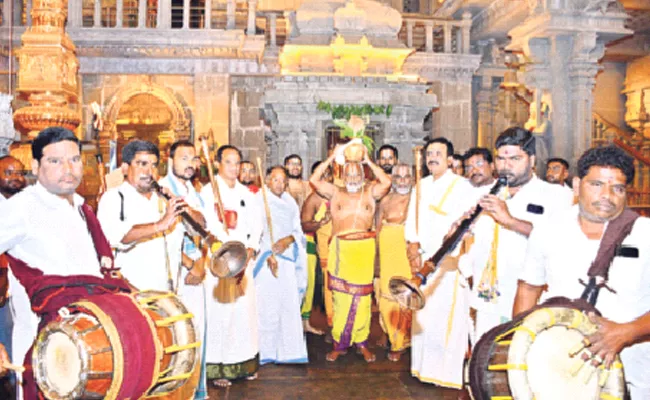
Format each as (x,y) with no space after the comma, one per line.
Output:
(501,233)
(280,274)
(389,223)
(139,223)
(188,265)
(55,245)
(232,214)
(352,250)
(563,252)
(439,330)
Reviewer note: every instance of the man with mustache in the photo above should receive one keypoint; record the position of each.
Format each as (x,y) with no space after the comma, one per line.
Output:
(139,223)
(54,243)
(562,250)
(187,266)
(297,188)
(248,176)
(232,342)
(479,169)
(387,158)
(439,333)
(12,181)
(352,250)
(389,223)
(557,172)
(500,234)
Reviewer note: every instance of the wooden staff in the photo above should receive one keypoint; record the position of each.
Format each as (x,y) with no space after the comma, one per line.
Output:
(267,210)
(417,160)
(213,182)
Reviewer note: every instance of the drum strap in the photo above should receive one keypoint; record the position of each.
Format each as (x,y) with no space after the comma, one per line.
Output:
(615,233)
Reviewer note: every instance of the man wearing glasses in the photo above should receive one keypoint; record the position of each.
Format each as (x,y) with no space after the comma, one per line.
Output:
(479,169)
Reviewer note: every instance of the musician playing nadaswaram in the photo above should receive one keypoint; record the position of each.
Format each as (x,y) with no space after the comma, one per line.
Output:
(561,252)
(140,224)
(351,259)
(52,240)
(500,233)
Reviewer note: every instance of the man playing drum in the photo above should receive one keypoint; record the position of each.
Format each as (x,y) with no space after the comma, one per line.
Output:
(352,250)
(51,236)
(561,251)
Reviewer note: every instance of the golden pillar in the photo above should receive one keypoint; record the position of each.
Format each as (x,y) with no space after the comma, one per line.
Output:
(47,74)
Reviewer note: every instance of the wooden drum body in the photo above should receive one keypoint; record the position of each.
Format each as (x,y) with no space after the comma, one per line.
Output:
(117,346)
(531,359)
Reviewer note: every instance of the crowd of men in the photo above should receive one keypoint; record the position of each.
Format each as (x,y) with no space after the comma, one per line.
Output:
(534,239)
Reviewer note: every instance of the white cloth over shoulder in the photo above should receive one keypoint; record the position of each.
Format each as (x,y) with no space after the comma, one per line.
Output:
(279,298)
(559,254)
(534,202)
(439,331)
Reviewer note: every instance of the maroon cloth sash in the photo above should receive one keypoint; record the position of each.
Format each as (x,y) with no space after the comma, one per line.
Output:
(48,293)
(617,230)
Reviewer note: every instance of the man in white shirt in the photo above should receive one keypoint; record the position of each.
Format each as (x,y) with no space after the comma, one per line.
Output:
(500,234)
(479,170)
(561,252)
(557,172)
(50,237)
(439,330)
(139,223)
(187,266)
(232,342)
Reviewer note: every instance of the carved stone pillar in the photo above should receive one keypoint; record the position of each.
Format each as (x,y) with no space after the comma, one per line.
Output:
(142,13)
(273,29)
(562,43)
(186,13)
(208,15)
(429,36)
(252,9)
(119,14)
(230,14)
(409,33)
(47,73)
(483,100)
(97,14)
(164,14)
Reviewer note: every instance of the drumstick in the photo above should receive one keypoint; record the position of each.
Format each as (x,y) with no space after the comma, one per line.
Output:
(213,182)
(13,367)
(267,210)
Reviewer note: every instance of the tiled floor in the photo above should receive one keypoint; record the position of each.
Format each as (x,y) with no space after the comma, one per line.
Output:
(350,377)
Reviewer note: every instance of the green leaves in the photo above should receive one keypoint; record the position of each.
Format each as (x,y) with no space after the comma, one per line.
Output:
(342,111)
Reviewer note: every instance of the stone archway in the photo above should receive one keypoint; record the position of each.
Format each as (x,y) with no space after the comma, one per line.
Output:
(179,126)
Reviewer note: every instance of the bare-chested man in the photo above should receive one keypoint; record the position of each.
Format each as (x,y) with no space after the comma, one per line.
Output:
(352,250)
(317,225)
(390,219)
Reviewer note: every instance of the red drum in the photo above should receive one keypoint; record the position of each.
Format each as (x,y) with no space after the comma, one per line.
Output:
(539,357)
(117,346)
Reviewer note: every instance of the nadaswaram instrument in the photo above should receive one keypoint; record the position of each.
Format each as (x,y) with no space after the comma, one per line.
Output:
(227,259)
(117,346)
(407,291)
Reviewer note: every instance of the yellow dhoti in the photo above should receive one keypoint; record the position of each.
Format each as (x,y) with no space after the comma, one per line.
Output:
(323,235)
(394,320)
(312,260)
(351,270)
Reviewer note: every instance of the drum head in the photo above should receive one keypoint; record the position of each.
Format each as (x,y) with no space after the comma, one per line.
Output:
(62,363)
(541,367)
